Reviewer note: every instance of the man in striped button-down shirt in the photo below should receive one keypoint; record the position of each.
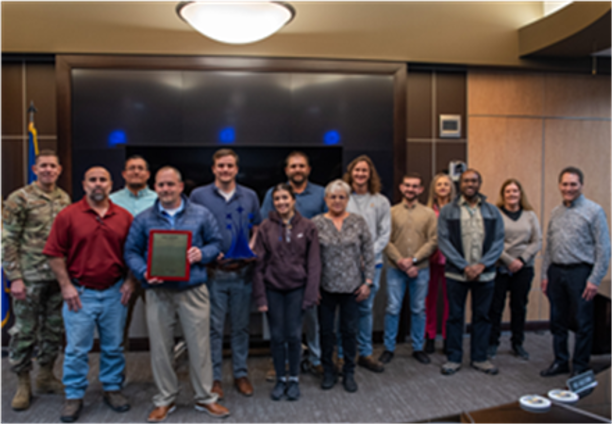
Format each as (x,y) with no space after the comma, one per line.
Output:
(575,261)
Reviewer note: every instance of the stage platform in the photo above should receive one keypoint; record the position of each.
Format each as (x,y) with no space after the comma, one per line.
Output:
(406,392)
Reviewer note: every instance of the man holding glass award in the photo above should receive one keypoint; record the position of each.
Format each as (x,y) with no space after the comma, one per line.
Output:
(168,248)
(237,211)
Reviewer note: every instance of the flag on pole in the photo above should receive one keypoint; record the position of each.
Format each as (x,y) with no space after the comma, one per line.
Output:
(5,299)
(32,148)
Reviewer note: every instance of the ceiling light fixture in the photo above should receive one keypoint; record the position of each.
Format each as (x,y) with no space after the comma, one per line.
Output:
(236,22)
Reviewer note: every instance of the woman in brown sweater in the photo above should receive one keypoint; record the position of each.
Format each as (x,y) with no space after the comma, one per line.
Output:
(286,283)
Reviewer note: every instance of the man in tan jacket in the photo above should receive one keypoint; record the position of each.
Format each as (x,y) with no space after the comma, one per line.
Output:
(412,241)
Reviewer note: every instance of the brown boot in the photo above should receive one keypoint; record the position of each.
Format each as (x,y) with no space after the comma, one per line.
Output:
(21,401)
(46,382)
(71,410)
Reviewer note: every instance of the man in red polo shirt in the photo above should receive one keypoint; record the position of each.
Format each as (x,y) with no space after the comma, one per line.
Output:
(85,247)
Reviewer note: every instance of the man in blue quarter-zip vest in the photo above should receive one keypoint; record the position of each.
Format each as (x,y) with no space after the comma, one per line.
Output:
(189,300)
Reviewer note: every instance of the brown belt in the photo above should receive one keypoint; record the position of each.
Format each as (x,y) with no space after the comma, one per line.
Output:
(230,266)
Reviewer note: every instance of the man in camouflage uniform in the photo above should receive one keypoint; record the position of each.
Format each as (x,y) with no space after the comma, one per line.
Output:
(37,299)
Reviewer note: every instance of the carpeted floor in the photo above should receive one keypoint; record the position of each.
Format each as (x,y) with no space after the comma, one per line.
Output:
(406,392)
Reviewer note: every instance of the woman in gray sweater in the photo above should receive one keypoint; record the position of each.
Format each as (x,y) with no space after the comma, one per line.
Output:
(522,241)
(348,268)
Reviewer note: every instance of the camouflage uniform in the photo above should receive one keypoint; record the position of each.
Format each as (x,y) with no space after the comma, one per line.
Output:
(27,218)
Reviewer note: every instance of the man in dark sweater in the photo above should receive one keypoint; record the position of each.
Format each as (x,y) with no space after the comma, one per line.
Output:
(471,237)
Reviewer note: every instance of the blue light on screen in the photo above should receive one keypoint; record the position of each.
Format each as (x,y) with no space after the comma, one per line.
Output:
(227,135)
(332,137)
(117,137)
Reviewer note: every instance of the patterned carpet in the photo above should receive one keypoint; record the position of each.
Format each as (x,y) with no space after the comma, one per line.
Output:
(406,392)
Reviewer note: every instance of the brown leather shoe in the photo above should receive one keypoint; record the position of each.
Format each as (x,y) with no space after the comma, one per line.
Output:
(160,413)
(243,386)
(215,410)
(217,389)
(371,364)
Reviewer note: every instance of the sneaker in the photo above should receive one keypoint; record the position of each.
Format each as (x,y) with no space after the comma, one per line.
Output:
(429,348)
(520,352)
(349,383)
(449,368)
(293,390)
(485,367)
(371,364)
(328,381)
(278,391)
(386,357)
(491,351)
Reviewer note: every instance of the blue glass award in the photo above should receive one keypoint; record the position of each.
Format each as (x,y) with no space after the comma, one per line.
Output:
(239,249)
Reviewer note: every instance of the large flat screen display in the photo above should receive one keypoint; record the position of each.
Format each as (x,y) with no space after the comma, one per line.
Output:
(180,118)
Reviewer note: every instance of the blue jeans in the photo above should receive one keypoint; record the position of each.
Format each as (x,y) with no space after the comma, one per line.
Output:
(397,282)
(230,292)
(311,329)
(101,309)
(364,319)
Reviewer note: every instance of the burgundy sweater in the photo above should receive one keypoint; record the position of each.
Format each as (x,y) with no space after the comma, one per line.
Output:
(287,258)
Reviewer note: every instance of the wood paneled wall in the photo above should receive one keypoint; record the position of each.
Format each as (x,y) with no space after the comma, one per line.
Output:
(22,83)
(430,94)
(532,125)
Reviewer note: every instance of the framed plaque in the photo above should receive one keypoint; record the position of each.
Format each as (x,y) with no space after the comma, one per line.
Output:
(167,258)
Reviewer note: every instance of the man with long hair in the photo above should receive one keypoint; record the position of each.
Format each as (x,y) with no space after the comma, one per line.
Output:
(367,201)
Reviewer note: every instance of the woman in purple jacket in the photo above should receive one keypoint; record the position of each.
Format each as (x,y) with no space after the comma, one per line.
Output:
(286,283)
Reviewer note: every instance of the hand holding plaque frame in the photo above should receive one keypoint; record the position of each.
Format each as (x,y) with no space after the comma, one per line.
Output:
(167,259)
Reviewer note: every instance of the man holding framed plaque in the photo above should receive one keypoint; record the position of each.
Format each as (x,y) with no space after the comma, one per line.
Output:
(168,248)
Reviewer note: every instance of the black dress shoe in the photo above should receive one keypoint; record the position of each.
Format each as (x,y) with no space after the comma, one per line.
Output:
(349,383)
(421,357)
(520,352)
(386,357)
(555,369)
(429,346)
(328,381)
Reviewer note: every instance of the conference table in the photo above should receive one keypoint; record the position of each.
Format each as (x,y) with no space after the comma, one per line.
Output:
(594,407)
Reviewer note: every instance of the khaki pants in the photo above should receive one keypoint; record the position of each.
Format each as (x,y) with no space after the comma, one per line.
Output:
(193,310)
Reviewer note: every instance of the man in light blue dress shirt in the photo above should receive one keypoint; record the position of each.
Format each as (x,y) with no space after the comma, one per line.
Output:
(135,197)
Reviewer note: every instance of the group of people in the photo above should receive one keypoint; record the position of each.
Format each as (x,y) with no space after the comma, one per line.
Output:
(309,256)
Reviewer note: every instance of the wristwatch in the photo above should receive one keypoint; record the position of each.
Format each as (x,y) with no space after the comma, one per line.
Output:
(414,259)
(370,285)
